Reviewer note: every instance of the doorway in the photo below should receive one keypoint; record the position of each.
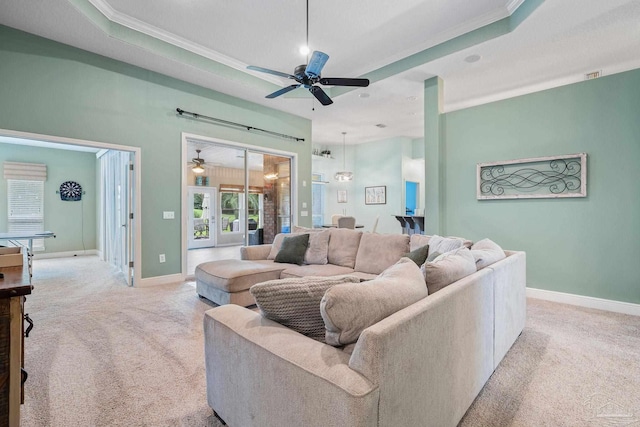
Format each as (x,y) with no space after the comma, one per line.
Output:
(233,195)
(129,193)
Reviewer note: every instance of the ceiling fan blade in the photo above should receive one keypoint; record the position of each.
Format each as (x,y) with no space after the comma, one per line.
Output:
(282,91)
(339,81)
(268,71)
(320,95)
(316,63)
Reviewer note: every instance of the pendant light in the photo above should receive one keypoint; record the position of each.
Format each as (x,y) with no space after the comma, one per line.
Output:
(344,175)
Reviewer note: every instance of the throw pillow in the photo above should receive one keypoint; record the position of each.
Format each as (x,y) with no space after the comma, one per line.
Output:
(432,255)
(277,242)
(419,256)
(293,249)
(448,268)
(295,302)
(486,252)
(377,252)
(444,244)
(350,308)
(343,247)
(318,248)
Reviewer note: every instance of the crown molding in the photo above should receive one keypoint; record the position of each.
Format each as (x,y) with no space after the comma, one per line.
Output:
(142,27)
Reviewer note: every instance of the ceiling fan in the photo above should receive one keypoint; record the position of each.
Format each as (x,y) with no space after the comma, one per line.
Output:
(308,75)
(197,163)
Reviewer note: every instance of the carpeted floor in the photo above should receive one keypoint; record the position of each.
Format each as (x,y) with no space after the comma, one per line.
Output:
(103,354)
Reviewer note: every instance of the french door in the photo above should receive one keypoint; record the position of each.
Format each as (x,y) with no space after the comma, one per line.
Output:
(201,217)
(116,189)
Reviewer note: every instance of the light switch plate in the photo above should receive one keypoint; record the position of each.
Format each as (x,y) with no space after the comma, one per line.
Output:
(304,213)
(168,215)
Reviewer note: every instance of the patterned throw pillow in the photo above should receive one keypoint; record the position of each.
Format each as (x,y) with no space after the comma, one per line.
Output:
(295,302)
(293,249)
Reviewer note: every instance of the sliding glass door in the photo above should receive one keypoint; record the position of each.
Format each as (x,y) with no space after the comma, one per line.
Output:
(249,195)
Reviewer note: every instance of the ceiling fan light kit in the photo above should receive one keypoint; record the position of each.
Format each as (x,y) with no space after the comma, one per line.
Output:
(198,163)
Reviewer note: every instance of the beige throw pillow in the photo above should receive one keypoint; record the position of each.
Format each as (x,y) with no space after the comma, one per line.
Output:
(377,252)
(318,248)
(350,308)
(295,302)
(486,252)
(343,247)
(448,268)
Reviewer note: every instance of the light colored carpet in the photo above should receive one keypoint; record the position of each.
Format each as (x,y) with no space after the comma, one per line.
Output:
(102,354)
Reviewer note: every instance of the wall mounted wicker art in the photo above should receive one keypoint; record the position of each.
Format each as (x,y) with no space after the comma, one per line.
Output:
(540,177)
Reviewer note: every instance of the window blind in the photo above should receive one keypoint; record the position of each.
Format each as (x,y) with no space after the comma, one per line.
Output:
(25,171)
(25,202)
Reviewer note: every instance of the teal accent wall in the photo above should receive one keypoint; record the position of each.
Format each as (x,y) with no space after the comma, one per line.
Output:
(73,222)
(586,246)
(54,89)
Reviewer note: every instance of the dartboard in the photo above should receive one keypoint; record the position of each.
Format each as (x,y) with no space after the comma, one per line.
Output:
(70,191)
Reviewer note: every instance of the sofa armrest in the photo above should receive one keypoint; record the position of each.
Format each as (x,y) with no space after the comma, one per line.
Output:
(255,252)
(432,358)
(260,373)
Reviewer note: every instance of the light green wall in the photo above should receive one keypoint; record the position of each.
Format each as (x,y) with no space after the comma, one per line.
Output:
(388,162)
(54,89)
(587,246)
(73,222)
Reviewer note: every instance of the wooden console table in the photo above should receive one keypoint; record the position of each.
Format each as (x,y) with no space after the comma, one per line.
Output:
(15,284)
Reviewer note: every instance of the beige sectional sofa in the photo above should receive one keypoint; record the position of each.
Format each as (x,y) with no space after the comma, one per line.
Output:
(421,366)
(338,251)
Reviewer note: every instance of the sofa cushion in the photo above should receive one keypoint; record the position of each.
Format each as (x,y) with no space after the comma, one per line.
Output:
(315,270)
(343,247)
(350,308)
(318,249)
(300,229)
(419,256)
(448,268)
(486,252)
(234,275)
(379,251)
(293,249)
(295,302)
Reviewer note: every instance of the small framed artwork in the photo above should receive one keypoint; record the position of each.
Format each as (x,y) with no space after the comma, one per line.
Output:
(342,196)
(375,195)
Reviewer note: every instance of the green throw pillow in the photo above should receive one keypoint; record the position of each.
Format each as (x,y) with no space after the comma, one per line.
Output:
(433,256)
(293,249)
(419,255)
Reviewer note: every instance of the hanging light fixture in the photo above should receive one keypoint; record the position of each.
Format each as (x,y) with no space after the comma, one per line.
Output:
(344,175)
(198,162)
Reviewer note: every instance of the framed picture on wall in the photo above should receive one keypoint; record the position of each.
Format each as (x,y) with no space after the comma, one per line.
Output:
(375,195)
(342,196)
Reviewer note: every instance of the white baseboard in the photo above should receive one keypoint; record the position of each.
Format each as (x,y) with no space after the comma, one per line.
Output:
(169,279)
(584,301)
(47,255)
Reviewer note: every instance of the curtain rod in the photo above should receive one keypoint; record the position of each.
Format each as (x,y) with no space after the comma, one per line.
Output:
(239,125)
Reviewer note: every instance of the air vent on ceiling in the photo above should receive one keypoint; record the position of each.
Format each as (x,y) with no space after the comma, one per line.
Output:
(381,125)
(592,75)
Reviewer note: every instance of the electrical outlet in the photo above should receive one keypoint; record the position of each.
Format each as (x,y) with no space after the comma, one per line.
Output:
(304,213)
(162,258)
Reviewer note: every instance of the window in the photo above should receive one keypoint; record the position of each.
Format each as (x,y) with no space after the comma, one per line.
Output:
(25,201)
(317,201)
